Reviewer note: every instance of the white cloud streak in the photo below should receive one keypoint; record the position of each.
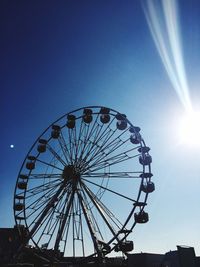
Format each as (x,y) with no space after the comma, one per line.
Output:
(162,19)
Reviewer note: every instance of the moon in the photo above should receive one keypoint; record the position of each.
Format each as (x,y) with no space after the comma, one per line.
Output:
(190,129)
(12,146)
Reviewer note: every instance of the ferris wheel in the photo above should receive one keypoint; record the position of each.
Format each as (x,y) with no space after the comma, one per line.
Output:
(83,185)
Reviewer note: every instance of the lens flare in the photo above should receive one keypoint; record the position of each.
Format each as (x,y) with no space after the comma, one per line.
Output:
(162,18)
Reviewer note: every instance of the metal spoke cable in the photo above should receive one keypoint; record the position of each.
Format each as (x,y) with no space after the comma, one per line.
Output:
(63,222)
(94,132)
(94,222)
(48,164)
(107,146)
(102,207)
(64,148)
(100,136)
(102,157)
(89,224)
(127,174)
(109,190)
(112,160)
(98,147)
(43,176)
(55,154)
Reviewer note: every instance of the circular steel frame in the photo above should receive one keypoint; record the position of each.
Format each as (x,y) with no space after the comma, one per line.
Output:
(83,183)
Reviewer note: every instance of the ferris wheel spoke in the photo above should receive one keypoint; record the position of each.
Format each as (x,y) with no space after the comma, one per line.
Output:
(66,231)
(79,141)
(103,155)
(111,161)
(85,132)
(111,146)
(64,148)
(56,218)
(48,229)
(55,154)
(89,223)
(38,204)
(104,212)
(99,136)
(63,222)
(43,200)
(48,164)
(88,158)
(74,143)
(71,144)
(42,197)
(95,224)
(112,174)
(41,188)
(125,154)
(51,229)
(98,146)
(109,190)
(77,226)
(81,229)
(114,142)
(34,176)
(80,144)
(34,210)
(45,211)
(103,137)
(43,204)
(93,134)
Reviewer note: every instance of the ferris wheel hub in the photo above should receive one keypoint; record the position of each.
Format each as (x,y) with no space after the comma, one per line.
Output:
(70,173)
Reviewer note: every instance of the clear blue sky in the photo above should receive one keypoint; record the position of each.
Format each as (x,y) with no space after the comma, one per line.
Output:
(57,56)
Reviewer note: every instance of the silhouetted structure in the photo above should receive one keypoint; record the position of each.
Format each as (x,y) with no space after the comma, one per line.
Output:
(145,260)
(9,243)
(182,257)
(59,190)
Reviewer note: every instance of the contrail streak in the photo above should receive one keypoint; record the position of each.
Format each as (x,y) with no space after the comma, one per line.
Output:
(162,18)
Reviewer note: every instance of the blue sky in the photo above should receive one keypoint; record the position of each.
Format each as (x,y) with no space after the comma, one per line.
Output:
(57,56)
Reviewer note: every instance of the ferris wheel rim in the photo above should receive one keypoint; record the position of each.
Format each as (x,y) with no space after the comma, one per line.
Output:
(142,144)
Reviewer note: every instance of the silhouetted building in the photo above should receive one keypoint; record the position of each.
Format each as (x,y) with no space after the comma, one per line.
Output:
(145,260)
(182,257)
(9,241)
(198,261)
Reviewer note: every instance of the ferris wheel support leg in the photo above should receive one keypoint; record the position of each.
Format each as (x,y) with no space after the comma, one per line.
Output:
(62,225)
(99,208)
(90,226)
(34,229)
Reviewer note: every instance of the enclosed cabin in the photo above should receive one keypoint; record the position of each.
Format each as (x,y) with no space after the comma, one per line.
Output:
(71,121)
(104,117)
(55,133)
(121,121)
(124,246)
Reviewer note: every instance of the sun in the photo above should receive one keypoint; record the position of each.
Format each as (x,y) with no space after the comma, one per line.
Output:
(190,129)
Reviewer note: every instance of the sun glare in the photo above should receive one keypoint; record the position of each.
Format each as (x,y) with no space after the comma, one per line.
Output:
(190,129)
